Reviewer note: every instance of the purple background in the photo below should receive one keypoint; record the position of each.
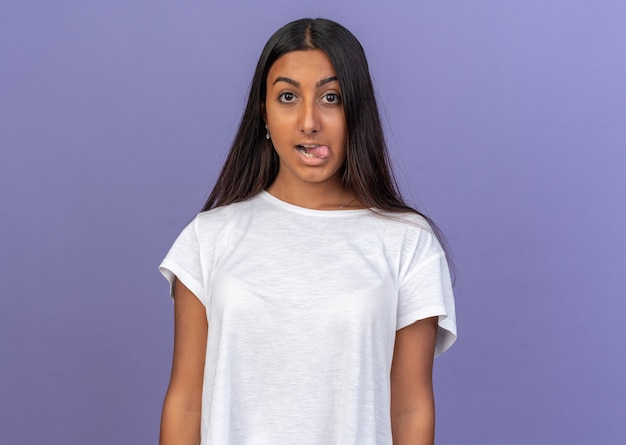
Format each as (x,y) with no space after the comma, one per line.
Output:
(507,120)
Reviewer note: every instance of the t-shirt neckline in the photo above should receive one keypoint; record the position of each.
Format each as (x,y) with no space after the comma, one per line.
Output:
(312,212)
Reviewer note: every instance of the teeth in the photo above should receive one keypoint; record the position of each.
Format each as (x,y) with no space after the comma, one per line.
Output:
(303,151)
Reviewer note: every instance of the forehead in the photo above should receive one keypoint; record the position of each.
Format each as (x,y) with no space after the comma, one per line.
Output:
(311,65)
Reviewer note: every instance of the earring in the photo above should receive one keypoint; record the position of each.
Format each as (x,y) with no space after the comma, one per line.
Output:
(267,133)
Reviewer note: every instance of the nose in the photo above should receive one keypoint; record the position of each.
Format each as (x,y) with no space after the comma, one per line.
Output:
(309,118)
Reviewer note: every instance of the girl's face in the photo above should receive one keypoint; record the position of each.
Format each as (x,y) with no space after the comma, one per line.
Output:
(305,117)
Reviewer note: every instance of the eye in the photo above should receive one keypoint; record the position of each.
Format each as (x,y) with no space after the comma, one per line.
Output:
(331,98)
(287,97)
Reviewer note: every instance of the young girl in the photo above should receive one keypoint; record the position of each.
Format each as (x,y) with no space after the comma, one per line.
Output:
(309,299)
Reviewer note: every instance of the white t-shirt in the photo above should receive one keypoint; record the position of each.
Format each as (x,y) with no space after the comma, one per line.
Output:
(302,307)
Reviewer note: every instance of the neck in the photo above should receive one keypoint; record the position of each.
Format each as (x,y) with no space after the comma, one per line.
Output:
(318,196)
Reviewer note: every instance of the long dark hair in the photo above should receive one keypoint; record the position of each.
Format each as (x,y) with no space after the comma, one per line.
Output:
(252,164)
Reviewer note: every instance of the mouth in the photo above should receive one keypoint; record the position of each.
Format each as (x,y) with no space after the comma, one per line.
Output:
(313,151)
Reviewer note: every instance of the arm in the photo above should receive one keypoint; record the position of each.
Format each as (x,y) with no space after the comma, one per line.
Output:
(180,421)
(412,399)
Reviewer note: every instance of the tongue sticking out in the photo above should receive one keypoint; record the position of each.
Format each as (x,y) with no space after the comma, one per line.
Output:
(320,152)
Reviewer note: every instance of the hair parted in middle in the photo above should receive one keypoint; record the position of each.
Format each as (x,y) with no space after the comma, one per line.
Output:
(252,163)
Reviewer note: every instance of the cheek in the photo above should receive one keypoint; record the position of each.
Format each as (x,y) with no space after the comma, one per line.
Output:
(279,121)
(341,132)
(280,131)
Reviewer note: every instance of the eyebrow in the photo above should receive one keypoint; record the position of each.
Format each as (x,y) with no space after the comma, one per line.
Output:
(296,84)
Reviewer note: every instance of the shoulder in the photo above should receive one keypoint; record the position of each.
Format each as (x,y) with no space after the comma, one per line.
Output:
(407,223)
(219,222)
(224,214)
(411,233)
(411,221)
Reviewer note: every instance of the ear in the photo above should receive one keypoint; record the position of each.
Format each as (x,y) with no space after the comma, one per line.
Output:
(263,113)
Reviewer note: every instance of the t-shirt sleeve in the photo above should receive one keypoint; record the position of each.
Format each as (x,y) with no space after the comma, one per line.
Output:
(425,288)
(184,261)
